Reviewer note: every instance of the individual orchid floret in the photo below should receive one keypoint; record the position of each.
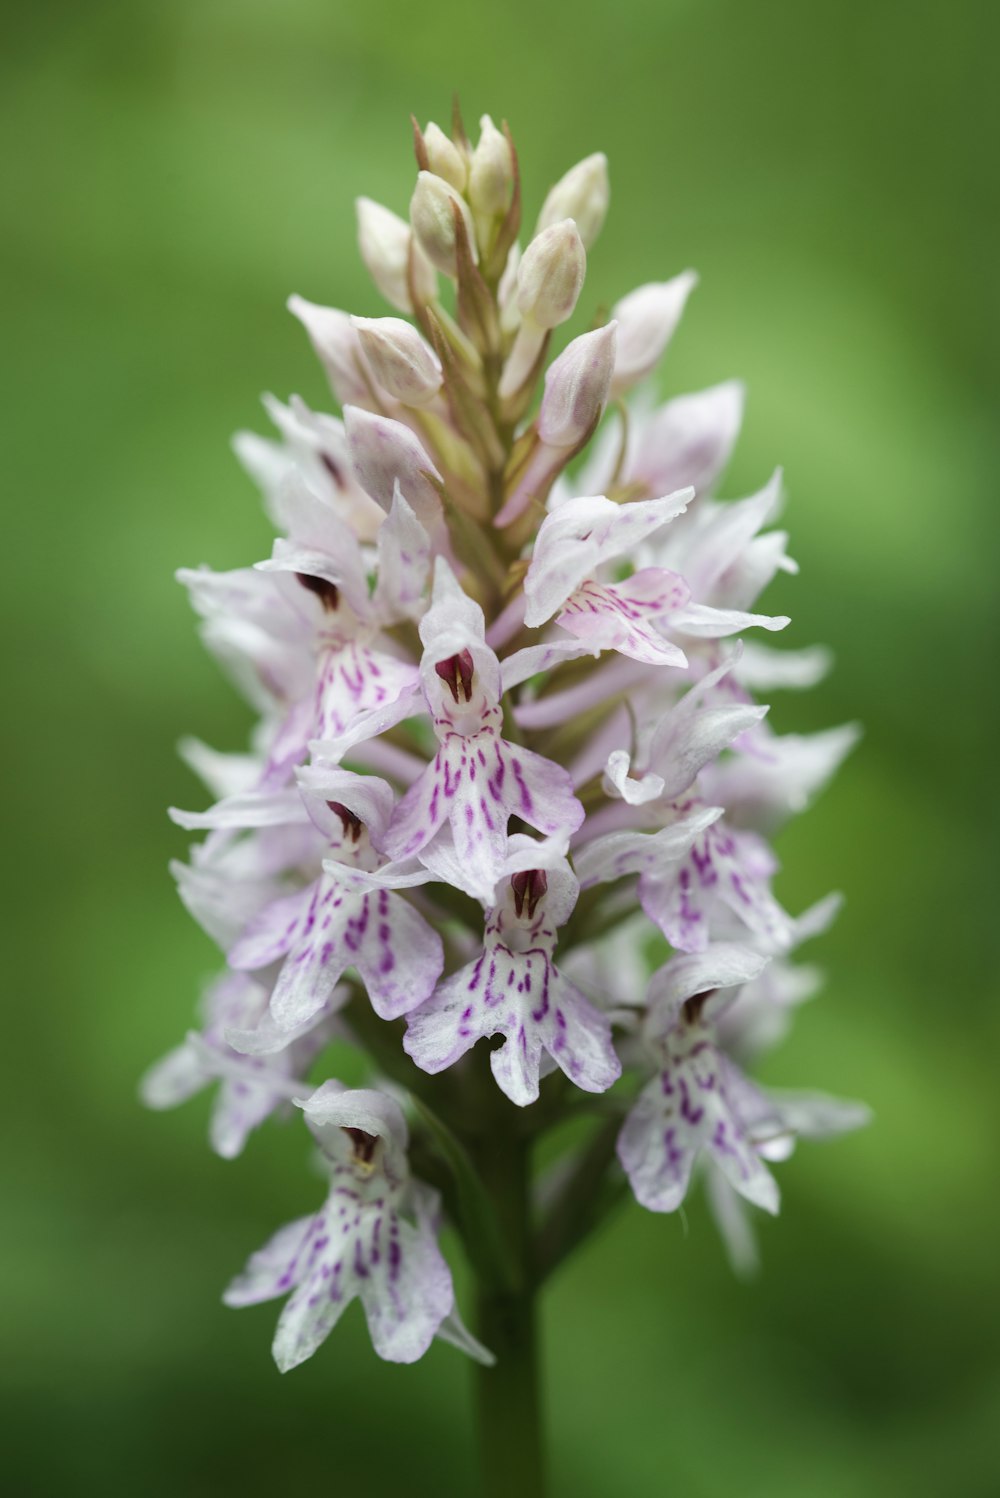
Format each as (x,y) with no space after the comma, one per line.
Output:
(582,194)
(324,576)
(514,989)
(249,1089)
(373,1240)
(477,780)
(335,340)
(647,319)
(491,172)
(392,257)
(572,545)
(402,363)
(385,454)
(444,158)
(698,1101)
(433,210)
(350,917)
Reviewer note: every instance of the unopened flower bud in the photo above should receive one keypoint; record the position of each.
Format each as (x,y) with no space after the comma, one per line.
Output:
(550,275)
(384,240)
(510,317)
(576,388)
(337,347)
(386,453)
(432,214)
(401,361)
(491,175)
(647,318)
(582,195)
(445,159)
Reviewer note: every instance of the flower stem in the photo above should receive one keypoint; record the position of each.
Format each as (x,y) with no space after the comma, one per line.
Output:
(509,1394)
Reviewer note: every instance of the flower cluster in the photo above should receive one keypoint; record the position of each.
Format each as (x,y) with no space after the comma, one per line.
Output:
(509,758)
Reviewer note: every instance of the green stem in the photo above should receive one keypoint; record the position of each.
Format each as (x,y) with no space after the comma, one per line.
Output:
(509,1394)
(591,1193)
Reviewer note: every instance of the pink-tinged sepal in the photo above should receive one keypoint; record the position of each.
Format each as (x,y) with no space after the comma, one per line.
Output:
(514,989)
(688,441)
(703,622)
(726,562)
(386,453)
(619,854)
(578,537)
(695,731)
(403,563)
(647,319)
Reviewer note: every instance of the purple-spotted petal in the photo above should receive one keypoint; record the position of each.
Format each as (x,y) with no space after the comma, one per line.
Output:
(620,616)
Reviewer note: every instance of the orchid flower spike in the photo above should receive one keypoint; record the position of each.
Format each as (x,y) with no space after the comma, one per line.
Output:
(510,754)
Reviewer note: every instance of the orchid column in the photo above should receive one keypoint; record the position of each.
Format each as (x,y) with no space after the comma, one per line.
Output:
(503,824)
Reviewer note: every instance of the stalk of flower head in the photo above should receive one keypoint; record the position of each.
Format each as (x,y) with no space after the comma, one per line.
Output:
(504,822)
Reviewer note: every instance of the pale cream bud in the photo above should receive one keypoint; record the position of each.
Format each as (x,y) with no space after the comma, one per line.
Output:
(432,214)
(576,388)
(401,361)
(582,195)
(491,175)
(445,159)
(550,275)
(384,241)
(510,317)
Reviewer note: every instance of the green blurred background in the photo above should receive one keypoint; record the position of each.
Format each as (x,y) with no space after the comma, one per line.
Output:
(173,171)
